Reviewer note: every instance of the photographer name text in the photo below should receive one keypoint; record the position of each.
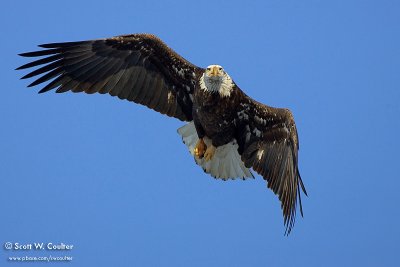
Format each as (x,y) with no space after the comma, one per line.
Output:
(37,246)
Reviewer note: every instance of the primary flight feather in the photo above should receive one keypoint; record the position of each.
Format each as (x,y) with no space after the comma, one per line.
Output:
(228,132)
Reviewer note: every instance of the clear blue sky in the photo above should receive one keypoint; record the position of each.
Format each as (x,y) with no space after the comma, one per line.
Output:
(114,179)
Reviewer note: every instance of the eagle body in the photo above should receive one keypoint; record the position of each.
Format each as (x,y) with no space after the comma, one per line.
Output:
(214,116)
(227,132)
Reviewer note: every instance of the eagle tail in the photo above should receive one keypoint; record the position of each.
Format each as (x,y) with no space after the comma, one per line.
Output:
(226,162)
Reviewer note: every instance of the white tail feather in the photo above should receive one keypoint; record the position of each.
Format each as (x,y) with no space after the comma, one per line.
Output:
(226,162)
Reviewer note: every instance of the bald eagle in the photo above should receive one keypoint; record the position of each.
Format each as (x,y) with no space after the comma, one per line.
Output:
(227,132)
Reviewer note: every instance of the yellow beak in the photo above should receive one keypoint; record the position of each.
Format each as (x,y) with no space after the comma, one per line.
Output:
(214,71)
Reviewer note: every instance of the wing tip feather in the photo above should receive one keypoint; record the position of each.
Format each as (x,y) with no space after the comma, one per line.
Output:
(61,44)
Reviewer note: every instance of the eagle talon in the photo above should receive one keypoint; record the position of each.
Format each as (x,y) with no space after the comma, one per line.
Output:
(209,152)
(200,148)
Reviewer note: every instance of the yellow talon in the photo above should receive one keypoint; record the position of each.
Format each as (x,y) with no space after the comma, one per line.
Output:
(209,152)
(200,148)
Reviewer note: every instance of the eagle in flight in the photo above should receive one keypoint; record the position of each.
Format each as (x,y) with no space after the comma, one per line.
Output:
(227,132)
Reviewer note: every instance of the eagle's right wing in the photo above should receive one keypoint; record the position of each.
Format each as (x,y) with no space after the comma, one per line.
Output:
(269,144)
(137,67)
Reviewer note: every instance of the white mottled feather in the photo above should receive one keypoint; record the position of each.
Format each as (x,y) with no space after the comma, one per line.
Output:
(226,162)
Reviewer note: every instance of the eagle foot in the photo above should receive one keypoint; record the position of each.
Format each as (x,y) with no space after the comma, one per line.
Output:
(200,148)
(209,152)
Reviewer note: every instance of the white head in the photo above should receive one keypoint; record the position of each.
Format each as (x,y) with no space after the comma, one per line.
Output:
(215,79)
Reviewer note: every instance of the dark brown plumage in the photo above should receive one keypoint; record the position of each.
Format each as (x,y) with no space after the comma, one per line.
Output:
(139,68)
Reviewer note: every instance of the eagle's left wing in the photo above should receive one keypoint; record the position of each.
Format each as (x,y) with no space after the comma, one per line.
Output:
(268,143)
(137,67)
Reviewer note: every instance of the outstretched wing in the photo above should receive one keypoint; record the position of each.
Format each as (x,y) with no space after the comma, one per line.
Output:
(269,144)
(137,67)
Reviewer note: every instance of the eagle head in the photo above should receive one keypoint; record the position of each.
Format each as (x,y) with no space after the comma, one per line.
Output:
(215,72)
(215,79)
